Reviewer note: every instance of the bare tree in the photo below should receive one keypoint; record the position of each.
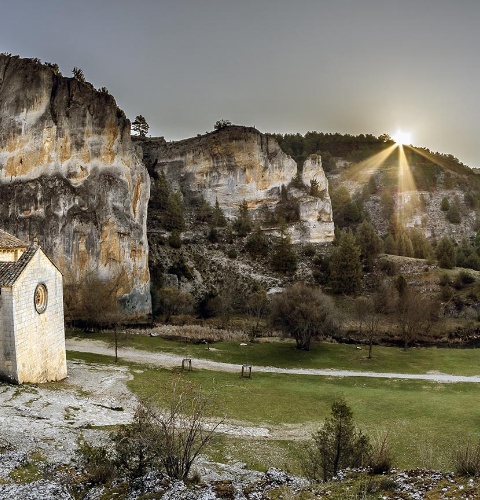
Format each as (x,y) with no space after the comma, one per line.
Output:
(415,313)
(257,305)
(368,319)
(173,301)
(171,438)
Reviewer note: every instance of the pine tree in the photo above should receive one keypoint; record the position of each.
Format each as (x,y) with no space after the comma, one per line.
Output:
(345,266)
(446,253)
(284,258)
(140,125)
(337,445)
(257,243)
(218,217)
(370,244)
(174,214)
(243,222)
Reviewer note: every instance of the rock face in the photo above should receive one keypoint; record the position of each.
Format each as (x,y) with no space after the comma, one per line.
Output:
(239,163)
(70,175)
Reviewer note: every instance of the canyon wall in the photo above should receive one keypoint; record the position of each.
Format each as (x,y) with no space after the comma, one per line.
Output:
(240,163)
(70,176)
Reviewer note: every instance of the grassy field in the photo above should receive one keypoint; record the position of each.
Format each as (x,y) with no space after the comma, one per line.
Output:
(322,355)
(425,421)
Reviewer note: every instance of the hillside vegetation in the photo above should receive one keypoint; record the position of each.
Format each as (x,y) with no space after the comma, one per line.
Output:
(402,269)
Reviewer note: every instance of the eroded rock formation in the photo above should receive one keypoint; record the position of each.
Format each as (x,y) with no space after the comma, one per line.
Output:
(70,175)
(239,163)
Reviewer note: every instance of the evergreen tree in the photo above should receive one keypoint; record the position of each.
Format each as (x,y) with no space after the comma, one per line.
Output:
(403,243)
(337,445)
(204,211)
(370,244)
(390,246)
(257,243)
(345,266)
(422,249)
(160,192)
(174,214)
(243,223)
(446,253)
(218,217)
(284,258)
(445,205)
(453,214)
(140,126)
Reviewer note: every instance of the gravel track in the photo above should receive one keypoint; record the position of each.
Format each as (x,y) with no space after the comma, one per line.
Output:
(172,360)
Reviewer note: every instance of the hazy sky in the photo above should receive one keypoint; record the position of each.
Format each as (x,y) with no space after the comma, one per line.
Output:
(349,66)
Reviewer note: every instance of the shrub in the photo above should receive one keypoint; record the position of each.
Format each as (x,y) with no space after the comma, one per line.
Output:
(232,253)
(446,293)
(467,460)
(380,459)
(445,204)
(96,462)
(444,280)
(389,267)
(466,278)
(453,214)
(213,235)
(174,240)
(309,250)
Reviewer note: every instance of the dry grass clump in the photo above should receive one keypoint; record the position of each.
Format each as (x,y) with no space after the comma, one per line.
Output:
(198,333)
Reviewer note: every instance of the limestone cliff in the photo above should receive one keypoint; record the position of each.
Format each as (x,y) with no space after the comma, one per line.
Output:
(240,163)
(70,175)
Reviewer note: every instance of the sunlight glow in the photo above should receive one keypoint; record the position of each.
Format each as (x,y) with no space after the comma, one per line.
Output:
(363,170)
(401,137)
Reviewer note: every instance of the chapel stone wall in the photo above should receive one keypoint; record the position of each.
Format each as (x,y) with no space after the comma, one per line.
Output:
(39,337)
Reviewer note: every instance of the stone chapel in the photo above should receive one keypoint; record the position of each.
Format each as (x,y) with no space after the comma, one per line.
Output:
(32,332)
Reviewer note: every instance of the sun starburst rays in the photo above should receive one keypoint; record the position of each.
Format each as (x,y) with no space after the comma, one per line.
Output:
(363,170)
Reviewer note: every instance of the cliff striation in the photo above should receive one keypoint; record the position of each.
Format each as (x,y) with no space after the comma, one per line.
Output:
(70,175)
(240,163)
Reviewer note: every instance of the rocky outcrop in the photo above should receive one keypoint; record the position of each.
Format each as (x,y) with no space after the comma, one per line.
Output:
(70,175)
(240,163)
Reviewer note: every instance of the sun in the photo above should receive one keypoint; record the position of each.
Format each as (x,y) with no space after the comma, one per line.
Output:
(401,137)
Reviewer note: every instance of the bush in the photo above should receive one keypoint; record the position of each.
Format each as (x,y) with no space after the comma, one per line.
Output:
(466,278)
(174,240)
(446,293)
(389,267)
(380,459)
(444,280)
(309,250)
(96,462)
(232,253)
(467,460)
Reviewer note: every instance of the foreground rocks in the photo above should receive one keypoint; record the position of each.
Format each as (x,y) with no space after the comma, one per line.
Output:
(41,427)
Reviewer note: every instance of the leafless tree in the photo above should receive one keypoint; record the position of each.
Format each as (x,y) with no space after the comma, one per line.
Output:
(172,438)
(415,313)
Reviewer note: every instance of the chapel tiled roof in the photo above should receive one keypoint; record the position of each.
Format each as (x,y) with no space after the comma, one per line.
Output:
(10,271)
(9,241)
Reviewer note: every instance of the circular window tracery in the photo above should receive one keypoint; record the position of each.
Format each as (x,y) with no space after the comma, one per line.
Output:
(40,298)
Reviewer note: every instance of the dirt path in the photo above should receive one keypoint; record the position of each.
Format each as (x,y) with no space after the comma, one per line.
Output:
(172,360)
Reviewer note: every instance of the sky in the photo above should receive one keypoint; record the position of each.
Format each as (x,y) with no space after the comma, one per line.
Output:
(348,66)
